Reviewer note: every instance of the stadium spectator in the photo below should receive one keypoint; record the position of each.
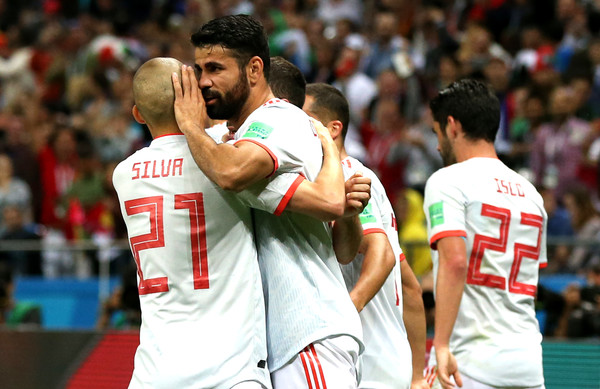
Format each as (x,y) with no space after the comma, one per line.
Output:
(16,314)
(23,261)
(586,224)
(581,313)
(559,227)
(14,191)
(557,152)
(358,88)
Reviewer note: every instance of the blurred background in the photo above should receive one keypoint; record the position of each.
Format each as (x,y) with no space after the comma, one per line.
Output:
(69,310)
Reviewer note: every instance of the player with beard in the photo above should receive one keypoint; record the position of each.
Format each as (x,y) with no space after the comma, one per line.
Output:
(313,330)
(487,231)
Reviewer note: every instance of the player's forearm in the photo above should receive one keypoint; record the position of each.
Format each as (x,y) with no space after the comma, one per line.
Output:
(347,236)
(330,180)
(377,265)
(225,164)
(414,319)
(451,276)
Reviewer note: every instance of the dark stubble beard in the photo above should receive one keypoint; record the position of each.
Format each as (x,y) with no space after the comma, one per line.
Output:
(448,157)
(229,105)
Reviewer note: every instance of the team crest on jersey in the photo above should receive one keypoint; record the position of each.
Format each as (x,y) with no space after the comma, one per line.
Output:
(366,216)
(436,214)
(258,130)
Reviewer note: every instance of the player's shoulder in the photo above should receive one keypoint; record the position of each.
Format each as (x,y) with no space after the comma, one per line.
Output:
(276,110)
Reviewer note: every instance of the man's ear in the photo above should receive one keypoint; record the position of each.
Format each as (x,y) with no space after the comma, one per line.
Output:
(452,127)
(335,129)
(137,115)
(254,69)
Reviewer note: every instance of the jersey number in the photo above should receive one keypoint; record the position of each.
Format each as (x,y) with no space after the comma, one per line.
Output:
(483,242)
(194,204)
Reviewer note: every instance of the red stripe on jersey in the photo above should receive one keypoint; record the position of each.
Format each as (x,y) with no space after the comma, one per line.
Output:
(402,257)
(314,352)
(543,265)
(445,234)
(304,365)
(264,147)
(373,231)
(288,195)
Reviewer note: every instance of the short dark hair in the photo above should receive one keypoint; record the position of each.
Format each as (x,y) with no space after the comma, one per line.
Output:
(242,34)
(287,81)
(329,104)
(473,104)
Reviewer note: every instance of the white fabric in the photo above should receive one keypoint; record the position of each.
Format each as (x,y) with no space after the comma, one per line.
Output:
(304,290)
(193,334)
(328,363)
(387,360)
(504,222)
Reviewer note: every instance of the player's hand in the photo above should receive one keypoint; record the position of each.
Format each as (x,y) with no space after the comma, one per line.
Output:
(190,109)
(419,384)
(358,194)
(446,368)
(324,134)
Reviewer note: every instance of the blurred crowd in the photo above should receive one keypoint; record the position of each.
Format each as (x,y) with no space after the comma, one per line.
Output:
(66,68)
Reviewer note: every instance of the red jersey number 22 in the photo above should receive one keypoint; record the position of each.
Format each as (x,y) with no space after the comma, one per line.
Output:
(194,204)
(483,242)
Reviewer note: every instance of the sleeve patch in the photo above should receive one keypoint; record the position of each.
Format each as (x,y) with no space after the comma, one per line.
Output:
(258,130)
(436,213)
(366,216)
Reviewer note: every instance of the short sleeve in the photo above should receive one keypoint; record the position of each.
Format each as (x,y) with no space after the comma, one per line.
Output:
(273,194)
(444,208)
(286,134)
(370,218)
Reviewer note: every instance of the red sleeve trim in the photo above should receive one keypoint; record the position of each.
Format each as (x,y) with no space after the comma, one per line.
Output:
(543,265)
(373,231)
(402,257)
(264,147)
(445,234)
(288,195)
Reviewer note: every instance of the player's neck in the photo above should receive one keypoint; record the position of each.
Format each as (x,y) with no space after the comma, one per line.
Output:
(477,149)
(343,153)
(165,130)
(258,96)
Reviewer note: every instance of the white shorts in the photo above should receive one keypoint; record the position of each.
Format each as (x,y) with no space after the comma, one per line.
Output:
(330,363)
(430,375)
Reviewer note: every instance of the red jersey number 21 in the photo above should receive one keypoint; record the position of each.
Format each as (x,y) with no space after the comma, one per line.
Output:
(483,242)
(194,204)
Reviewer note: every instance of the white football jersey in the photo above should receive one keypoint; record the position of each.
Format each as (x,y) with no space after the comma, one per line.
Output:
(387,359)
(496,337)
(305,295)
(203,316)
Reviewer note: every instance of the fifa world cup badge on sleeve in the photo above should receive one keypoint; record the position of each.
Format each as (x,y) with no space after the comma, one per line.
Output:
(436,214)
(366,216)
(258,130)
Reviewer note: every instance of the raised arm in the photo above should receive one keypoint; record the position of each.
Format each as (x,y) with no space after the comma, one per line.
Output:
(413,313)
(329,198)
(231,167)
(449,288)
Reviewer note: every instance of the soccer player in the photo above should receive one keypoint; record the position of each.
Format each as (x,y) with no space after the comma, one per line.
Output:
(313,330)
(203,315)
(388,312)
(487,232)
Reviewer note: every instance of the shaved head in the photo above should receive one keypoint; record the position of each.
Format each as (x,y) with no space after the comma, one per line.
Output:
(153,91)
